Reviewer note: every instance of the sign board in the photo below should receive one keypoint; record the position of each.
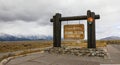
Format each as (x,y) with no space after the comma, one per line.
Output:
(74,31)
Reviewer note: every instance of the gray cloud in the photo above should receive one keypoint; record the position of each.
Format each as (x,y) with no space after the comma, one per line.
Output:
(34,13)
(26,10)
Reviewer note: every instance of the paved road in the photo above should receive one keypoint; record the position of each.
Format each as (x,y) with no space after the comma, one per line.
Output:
(48,59)
(52,59)
(114,52)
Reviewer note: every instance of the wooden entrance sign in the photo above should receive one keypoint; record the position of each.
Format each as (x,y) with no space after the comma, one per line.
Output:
(91,35)
(74,31)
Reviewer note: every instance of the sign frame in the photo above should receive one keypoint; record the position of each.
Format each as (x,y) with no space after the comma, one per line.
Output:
(91,35)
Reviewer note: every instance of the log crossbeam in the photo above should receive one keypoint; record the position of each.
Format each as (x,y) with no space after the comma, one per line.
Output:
(75,18)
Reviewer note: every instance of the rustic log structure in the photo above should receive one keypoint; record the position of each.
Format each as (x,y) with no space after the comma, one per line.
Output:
(57,19)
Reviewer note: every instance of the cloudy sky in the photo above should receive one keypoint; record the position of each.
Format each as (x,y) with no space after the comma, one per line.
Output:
(32,17)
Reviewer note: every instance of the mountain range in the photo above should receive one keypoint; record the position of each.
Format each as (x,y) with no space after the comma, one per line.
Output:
(8,37)
(111,38)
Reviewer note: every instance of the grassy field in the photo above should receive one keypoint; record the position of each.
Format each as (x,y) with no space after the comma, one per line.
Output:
(24,45)
(7,46)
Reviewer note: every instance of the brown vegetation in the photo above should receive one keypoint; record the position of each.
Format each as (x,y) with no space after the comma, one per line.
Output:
(24,45)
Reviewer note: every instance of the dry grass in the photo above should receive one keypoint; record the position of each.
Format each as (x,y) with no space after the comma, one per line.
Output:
(24,45)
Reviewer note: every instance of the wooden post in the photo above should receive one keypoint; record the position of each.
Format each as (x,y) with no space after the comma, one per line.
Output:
(89,31)
(93,31)
(57,30)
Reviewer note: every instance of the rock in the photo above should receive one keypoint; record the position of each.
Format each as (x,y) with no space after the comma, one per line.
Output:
(77,51)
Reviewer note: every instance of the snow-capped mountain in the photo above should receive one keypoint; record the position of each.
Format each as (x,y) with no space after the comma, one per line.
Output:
(8,37)
(111,38)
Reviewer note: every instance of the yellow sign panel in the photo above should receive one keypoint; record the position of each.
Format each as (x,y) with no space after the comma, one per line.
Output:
(74,31)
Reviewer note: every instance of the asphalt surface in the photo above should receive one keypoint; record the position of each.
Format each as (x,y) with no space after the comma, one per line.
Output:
(52,59)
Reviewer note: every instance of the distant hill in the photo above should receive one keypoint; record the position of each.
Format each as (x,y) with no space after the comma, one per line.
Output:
(111,38)
(8,37)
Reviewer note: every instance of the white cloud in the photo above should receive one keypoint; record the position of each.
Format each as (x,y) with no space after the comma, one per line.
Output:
(33,16)
(25,28)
